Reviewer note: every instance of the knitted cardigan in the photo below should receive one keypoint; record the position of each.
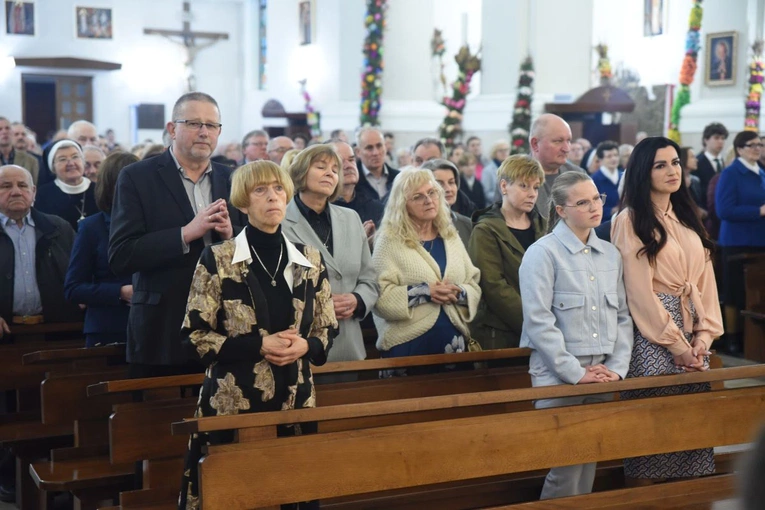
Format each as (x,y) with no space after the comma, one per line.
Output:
(398,266)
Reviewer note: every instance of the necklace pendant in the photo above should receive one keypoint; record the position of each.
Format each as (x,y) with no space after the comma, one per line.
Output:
(273,283)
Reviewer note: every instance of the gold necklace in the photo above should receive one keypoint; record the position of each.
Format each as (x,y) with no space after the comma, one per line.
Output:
(272,276)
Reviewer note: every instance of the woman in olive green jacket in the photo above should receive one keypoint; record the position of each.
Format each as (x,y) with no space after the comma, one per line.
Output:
(501,235)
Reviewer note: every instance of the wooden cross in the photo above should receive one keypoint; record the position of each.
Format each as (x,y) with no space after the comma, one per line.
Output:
(189,42)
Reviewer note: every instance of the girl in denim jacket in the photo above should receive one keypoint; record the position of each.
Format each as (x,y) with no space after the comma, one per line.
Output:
(575,315)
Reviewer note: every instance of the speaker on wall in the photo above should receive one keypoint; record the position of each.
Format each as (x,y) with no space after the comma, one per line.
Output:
(150,116)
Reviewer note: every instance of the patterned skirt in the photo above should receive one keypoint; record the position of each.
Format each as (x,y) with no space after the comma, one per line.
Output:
(650,359)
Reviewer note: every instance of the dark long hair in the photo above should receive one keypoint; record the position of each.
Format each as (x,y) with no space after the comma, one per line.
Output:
(637,197)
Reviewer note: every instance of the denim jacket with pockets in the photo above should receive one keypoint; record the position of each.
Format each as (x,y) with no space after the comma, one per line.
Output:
(574,303)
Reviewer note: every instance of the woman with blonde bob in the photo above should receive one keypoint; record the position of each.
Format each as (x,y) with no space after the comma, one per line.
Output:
(501,236)
(339,235)
(245,316)
(428,286)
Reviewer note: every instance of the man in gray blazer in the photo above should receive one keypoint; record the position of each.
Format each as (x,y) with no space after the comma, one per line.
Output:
(350,272)
(550,140)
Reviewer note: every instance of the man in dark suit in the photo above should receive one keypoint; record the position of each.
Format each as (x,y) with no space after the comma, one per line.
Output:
(710,160)
(166,210)
(375,176)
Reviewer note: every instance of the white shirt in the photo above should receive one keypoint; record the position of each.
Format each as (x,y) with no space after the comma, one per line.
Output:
(712,158)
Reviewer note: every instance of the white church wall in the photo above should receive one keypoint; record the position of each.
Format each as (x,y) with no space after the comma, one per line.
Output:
(152,69)
(725,103)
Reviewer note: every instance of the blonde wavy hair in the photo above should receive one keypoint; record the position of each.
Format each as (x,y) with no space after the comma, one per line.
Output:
(396,222)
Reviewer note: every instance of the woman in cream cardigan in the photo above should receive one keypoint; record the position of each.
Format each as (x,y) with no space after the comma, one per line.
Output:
(428,285)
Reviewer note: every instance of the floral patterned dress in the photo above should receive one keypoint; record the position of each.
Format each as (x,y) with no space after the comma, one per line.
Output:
(226,319)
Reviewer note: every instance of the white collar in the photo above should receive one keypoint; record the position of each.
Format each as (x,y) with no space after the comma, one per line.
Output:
(754,168)
(242,251)
(711,157)
(73,190)
(611,176)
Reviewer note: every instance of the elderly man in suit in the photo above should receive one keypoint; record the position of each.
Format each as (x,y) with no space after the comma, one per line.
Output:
(375,175)
(10,155)
(166,210)
(550,140)
(339,235)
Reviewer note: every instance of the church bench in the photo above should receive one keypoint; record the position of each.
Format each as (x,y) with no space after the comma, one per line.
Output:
(140,431)
(689,494)
(25,366)
(340,367)
(418,454)
(86,465)
(754,315)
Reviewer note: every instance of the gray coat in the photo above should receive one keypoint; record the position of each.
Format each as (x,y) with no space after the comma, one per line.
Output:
(350,269)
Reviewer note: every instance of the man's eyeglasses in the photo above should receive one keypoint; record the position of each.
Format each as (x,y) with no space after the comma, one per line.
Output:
(195,125)
(586,205)
(754,145)
(421,197)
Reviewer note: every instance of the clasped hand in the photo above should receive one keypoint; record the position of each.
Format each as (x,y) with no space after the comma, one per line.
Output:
(444,293)
(598,374)
(284,347)
(692,360)
(213,217)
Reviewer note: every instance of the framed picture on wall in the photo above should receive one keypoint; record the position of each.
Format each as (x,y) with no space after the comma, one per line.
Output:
(653,18)
(93,22)
(307,27)
(720,68)
(19,17)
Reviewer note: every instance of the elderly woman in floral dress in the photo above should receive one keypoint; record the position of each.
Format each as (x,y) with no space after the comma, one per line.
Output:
(259,313)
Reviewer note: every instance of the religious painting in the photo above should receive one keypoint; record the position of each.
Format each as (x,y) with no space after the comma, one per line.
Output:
(94,22)
(307,26)
(653,16)
(19,17)
(720,59)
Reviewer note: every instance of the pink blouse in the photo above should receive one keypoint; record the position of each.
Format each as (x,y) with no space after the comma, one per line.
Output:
(682,268)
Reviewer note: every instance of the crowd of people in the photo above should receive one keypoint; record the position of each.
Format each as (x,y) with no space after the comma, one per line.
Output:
(256,260)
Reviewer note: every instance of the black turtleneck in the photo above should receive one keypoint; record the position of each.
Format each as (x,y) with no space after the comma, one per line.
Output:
(279,298)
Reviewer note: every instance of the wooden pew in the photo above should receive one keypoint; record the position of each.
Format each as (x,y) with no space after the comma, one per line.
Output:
(754,315)
(140,431)
(21,431)
(64,405)
(418,454)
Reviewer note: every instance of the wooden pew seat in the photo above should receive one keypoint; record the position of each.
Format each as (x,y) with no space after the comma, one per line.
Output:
(693,494)
(450,450)
(70,475)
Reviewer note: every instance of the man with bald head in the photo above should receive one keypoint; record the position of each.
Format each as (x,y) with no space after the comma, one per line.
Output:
(278,146)
(34,256)
(550,140)
(83,132)
(375,175)
(10,155)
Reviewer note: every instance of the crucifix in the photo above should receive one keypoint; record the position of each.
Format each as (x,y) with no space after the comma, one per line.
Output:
(188,39)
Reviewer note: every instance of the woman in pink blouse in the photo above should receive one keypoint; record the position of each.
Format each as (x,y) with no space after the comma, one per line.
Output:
(671,290)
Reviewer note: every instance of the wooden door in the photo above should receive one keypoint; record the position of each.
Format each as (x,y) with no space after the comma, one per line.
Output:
(53,102)
(74,99)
